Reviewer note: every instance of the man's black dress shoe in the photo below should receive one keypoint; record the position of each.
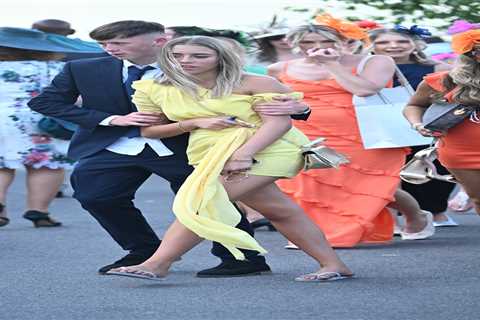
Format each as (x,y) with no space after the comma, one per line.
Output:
(130,259)
(235,268)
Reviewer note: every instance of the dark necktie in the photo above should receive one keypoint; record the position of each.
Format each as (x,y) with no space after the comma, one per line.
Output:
(134,74)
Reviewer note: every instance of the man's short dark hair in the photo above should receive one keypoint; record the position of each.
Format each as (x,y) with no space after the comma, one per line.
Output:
(53,26)
(125,29)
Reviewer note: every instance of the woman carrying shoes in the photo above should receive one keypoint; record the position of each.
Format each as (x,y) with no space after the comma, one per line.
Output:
(348,204)
(459,147)
(26,66)
(237,154)
(405,46)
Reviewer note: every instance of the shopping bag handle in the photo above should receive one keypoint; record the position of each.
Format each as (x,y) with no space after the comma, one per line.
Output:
(404,81)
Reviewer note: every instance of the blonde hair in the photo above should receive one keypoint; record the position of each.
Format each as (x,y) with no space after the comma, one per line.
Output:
(230,66)
(417,56)
(298,33)
(464,78)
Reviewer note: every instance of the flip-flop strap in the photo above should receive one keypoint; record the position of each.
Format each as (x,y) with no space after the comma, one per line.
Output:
(323,276)
(139,272)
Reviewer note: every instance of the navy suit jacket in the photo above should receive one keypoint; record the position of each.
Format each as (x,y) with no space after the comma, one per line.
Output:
(99,82)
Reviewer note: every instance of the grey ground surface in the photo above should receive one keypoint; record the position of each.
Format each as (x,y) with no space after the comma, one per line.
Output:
(51,274)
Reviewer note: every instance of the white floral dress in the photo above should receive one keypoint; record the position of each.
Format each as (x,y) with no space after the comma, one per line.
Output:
(21,142)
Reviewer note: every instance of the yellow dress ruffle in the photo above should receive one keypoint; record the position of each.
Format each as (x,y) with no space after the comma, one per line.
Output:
(202,203)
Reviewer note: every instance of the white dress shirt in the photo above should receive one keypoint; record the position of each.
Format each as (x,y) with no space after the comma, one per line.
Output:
(135,145)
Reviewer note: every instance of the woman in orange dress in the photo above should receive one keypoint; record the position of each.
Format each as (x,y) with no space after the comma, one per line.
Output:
(459,148)
(348,204)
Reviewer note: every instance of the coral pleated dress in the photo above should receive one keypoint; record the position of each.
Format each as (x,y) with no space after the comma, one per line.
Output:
(202,204)
(460,147)
(348,204)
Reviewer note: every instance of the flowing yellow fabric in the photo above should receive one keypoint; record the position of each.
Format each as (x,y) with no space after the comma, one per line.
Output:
(202,204)
(202,193)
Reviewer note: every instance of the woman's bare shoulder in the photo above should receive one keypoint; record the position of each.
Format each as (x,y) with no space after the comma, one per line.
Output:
(276,67)
(254,84)
(378,61)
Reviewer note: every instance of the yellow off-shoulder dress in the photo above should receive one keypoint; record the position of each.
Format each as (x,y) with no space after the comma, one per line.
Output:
(202,204)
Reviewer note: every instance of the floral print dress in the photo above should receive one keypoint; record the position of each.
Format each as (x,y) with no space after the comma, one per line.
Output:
(22,143)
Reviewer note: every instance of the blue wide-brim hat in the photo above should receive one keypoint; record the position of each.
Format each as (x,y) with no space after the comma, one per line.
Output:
(31,39)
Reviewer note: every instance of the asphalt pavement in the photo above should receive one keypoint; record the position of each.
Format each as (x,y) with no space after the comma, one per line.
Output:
(51,274)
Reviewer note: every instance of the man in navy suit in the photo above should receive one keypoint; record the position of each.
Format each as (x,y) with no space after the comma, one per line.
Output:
(113,159)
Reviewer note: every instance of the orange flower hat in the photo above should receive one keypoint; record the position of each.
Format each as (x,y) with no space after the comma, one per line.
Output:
(465,41)
(347,29)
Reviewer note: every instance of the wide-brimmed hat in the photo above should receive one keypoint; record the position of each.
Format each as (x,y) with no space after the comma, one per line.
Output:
(271,33)
(30,39)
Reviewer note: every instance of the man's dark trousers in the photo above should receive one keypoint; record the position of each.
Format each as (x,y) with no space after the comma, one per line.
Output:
(105,185)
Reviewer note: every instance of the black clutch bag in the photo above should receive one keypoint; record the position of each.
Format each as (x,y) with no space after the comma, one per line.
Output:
(443,116)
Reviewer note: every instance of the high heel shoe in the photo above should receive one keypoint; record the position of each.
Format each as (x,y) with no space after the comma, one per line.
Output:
(3,220)
(41,219)
(262,223)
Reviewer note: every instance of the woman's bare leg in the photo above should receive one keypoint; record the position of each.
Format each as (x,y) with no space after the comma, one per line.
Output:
(6,178)
(293,223)
(42,186)
(176,241)
(252,215)
(284,214)
(415,220)
(179,240)
(470,180)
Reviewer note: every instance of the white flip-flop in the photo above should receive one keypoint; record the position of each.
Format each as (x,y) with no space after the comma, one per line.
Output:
(144,274)
(447,223)
(323,277)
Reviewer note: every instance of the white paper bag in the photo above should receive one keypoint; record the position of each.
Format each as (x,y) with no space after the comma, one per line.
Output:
(381,122)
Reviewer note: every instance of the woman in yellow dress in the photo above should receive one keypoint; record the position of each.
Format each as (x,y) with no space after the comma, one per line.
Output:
(237,154)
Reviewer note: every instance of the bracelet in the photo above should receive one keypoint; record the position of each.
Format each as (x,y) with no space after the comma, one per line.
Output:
(179,123)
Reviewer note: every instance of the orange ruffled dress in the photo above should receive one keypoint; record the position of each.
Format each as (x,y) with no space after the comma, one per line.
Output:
(348,204)
(460,147)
